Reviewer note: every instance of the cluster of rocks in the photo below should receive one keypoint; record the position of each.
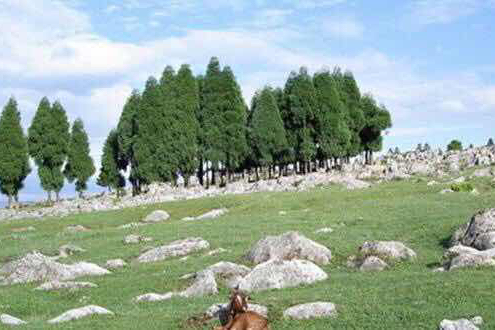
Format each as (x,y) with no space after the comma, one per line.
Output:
(373,255)
(473,244)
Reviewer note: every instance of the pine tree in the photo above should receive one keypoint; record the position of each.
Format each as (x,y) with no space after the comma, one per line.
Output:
(14,158)
(267,129)
(377,119)
(490,142)
(79,166)
(48,143)
(333,135)
(110,175)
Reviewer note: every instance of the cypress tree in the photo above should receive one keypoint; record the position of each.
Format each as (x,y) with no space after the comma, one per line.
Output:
(333,135)
(377,119)
(79,166)
(110,175)
(267,129)
(187,106)
(48,143)
(14,158)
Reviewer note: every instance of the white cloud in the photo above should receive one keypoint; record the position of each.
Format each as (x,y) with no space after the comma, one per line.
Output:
(426,12)
(342,27)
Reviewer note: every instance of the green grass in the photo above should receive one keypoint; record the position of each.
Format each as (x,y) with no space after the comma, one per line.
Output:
(408,296)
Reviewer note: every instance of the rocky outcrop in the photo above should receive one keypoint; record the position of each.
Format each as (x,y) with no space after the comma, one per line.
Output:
(460,256)
(178,248)
(279,274)
(311,311)
(156,216)
(204,284)
(228,272)
(291,245)
(78,313)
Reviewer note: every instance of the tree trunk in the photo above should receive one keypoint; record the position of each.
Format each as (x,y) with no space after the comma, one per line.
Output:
(10,202)
(213,177)
(200,172)
(256,173)
(49,196)
(207,176)
(57,196)
(371,157)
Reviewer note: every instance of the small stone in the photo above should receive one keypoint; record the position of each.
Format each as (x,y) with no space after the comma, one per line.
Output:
(326,230)
(216,251)
(58,285)
(136,239)
(156,216)
(78,313)
(69,249)
(151,297)
(311,311)
(115,263)
(373,263)
(76,229)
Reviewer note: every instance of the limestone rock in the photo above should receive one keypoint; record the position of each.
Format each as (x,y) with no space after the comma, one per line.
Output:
(152,297)
(480,232)
(10,320)
(178,248)
(204,284)
(389,249)
(132,225)
(311,311)
(290,245)
(208,215)
(326,230)
(462,324)
(58,285)
(156,216)
(230,272)
(115,263)
(78,313)
(278,274)
(373,263)
(216,251)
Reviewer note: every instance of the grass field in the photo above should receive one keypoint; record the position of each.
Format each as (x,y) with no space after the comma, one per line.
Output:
(408,296)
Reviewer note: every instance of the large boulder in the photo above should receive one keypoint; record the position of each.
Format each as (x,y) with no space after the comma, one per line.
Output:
(461,256)
(10,320)
(35,267)
(462,324)
(156,216)
(204,284)
(291,245)
(311,311)
(78,313)
(230,272)
(389,249)
(178,248)
(480,232)
(278,274)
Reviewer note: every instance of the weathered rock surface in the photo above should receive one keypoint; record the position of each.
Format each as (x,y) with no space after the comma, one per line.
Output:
(35,267)
(462,324)
(115,263)
(229,272)
(278,274)
(290,245)
(204,284)
(390,249)
(208,215)
(372,263)
(480,232)
(69,285)
(152,297)
(10,320)
(79,313)
(221,311)
(178,248)
(311,311)
(136,239)
(156,216)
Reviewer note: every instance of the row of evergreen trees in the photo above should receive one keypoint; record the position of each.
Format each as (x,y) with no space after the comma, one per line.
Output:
(185,125)
(57,153)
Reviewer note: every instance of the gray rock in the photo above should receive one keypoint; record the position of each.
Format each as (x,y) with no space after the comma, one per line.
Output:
(373,263)
(462,324)
(77,313)
(278,274)
(115,263)
(389,249)
(325,230)
(152,297)
(35,267)
(58,285)
(290,245)
(136,239)
(216,251)
(10,320)
(480,232)
(156,216)
(76,229)
(178,248)
(204,284)
(311,311)
(133,225)
(483,172)
(208,215)
(229,272)
(446,191)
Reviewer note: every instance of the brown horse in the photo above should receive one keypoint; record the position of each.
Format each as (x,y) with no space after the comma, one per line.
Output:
(240,317)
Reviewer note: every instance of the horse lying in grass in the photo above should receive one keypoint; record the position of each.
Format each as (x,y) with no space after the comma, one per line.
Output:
(241,318)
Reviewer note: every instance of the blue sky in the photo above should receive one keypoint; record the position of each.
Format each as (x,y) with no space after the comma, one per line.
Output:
(431,62)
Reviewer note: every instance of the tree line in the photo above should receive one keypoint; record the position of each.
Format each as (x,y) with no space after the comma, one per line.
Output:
(184,125)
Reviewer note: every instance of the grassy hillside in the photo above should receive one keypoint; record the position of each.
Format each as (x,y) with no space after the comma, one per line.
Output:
(409,296)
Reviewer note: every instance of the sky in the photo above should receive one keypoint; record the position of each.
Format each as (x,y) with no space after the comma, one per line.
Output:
(430,62)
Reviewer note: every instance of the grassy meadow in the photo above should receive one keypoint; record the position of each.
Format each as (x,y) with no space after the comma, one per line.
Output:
(407,296)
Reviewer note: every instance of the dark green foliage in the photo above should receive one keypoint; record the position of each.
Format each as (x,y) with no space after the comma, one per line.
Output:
(79,166)
(110,175)
(427,147)
(48,144)
(397,150)
(419,147)
(454,145)
(462,187)
(333,135)
(266,129)
(14,159)
(490,142)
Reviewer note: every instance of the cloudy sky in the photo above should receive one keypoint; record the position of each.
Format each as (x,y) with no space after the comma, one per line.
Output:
(431,62)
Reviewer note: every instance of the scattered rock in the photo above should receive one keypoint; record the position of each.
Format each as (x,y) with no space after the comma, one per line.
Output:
(229,272)
(389,249)
(76,229)
(136,239)
(204,284)
(480,232)
(178,248)
(278,274)
(57,285)
(462,324)
(156,216)
(326,230)
(290,245)
(446,191)
(133,225)
(69,249)
(216,251)
(10,320)
(460,256)
(208,215)
(78,313)
(221,311)
(152,297)
(373,263)
(35,267)
(432,183)
(115,264)
(311,311)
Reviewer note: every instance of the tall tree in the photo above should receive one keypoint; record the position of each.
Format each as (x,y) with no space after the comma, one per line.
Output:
(333,135)
(454,145)
(267,129)
(48,143)
(14,158)
(79,166)
(490,142)
(126,136)
(110,175)
(377,119)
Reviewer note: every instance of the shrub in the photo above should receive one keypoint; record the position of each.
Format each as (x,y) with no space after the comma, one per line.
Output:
(454,145)
(462,187)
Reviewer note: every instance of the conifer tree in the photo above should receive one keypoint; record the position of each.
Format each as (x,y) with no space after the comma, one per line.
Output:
(377,119)
(490,142)
(48,143)
(110,175)
(200,136)
(14,158)
(267,129)
(79,166)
